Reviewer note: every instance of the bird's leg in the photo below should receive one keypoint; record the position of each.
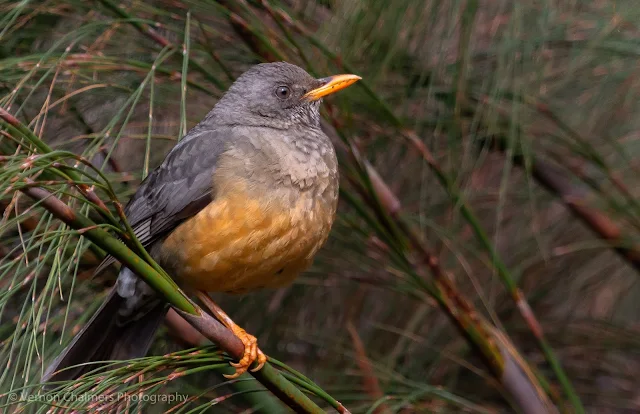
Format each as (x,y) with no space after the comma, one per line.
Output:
(251,351)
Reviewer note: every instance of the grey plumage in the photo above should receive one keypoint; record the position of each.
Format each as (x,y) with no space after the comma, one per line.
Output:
(243,135)
(182,185)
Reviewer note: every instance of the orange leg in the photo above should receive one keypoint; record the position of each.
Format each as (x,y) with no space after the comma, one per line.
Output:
(251,351)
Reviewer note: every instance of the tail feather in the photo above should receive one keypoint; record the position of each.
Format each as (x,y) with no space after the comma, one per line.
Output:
(104,339)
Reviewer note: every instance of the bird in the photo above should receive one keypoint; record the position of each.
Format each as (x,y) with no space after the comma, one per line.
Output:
(242,202)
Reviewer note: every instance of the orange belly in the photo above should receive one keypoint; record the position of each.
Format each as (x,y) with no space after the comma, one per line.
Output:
(238,244)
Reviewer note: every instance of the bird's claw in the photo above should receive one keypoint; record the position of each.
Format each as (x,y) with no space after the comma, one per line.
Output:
(251,354)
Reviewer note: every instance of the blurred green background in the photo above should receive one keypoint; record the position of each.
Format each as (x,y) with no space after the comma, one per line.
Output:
(488,165)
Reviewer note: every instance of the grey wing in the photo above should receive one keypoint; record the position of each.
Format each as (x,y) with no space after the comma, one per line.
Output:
(178,189)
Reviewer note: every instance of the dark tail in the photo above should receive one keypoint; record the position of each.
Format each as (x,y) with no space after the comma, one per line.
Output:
(104,339)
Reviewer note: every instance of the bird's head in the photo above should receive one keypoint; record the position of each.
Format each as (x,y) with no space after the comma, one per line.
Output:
(279,95)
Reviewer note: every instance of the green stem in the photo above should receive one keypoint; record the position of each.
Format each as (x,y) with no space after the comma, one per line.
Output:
(149,272)
(162,41)
(467,214)
(115,247)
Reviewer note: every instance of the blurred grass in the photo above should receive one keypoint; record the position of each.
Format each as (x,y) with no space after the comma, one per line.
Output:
(488,93)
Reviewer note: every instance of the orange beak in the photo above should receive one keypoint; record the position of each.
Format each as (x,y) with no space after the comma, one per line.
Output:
(330,85)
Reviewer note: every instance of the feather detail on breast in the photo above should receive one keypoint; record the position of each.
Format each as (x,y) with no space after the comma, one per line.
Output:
(238,243)
(273,208)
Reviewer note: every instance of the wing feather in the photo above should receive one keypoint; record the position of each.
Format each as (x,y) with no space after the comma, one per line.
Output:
(178,189)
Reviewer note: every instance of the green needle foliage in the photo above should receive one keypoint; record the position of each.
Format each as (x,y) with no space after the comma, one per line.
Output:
(486,250)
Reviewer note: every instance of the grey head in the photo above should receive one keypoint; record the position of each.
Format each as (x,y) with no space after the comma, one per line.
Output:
(277,95)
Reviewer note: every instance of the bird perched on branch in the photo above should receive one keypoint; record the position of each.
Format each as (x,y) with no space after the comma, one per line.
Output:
(244,201)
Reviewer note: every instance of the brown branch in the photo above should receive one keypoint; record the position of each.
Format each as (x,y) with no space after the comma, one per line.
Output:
(264,47)
(162,283)
(10,119)
(202,321)
(371,383)
(182,331)
(142,27)
(205,323)
(26,224)
(551,177)
(495,349)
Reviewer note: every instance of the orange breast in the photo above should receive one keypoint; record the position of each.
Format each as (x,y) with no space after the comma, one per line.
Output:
(238,244)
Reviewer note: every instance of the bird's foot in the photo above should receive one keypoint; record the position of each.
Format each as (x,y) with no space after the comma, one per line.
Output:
(251,353)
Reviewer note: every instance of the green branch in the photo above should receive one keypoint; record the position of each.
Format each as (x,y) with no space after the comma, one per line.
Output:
(213,330)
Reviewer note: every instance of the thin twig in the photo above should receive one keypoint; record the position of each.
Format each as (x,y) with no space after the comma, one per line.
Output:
(202,321)
(551,178)
(154,276)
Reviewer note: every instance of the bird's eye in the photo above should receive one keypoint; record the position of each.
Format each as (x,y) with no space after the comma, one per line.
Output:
(282,92)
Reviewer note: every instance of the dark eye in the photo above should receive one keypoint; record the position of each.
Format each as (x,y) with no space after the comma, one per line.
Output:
(282,92)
